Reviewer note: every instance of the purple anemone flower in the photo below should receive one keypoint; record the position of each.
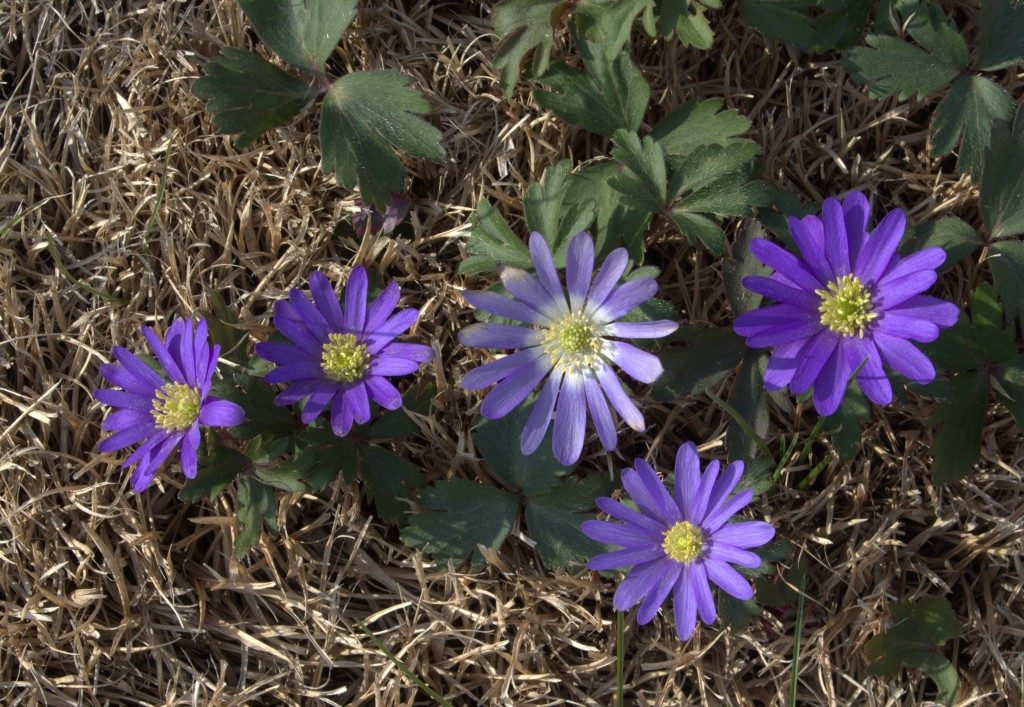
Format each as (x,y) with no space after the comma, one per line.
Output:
(567,339)
(340,358)
(848,303)
(161,410)
(679,544)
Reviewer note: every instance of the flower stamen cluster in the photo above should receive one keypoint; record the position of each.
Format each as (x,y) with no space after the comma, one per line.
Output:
(176,407)
(684,542)
(573,343)
(846,306)
(344,358)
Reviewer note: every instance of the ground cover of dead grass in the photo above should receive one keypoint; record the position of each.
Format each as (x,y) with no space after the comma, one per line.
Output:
(132,208)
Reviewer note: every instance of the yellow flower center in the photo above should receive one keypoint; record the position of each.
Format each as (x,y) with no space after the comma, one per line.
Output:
(176,407)
(846,306)
(684,542)
(573,343)
(344,359)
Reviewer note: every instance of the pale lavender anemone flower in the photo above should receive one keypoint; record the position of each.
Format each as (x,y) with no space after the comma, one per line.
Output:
(340,358)
(849,303)
(567,339)
(679,544)
(163,410)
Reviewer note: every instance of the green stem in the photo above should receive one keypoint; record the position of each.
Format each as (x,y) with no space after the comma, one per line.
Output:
(795,670)
(744,425)
(434,695)
(620,687)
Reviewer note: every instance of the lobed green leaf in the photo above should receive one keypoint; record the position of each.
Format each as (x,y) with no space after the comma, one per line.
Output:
(302,32)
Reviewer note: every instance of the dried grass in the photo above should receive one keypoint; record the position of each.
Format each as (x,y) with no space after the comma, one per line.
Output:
(107,597)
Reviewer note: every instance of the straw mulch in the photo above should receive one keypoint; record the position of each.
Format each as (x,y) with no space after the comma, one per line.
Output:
(132,208)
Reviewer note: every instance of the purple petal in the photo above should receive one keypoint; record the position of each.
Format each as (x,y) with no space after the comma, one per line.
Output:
(630,516)
(579,269)
(119,376)
(640,365)
(163,355)
(872,378)
(687,477)
(493,371)
(128,436)
(892,292)
(809,235)
(785,263)
(729,580)
(138,370)
(126,417)
(905,358)
(185,346)
(817,352)
(297,370)
(504,307)
(386,332)
(608,533)
(856,212)
(609,274)
(724,485)
(785,333)
(326,301)
(743,535)
(540,415)
(570,420)
(525,288)
(638,583)
(488,335)
(785,294)
(684,604)
(509,393)
(734,556)
(705,601)
(625,298)
(646,488)
(296,331)
(926,259)
(414,352)
(190,452)
(770,318)
(905,326)
(629,557)
(880,247)
(382,307)
(540,254)
(355,300)
(297,391)
(783,364)
(658,593)
(698,505)
(604,422)
(280,353)
(149,463)
(359,402)
(220,413)
(341,413)
(830,385)
(640,330)
(393,366)
(932,309)
(622,403)
(383,393)
(123,399)
(718,516)
(318,401)
(304,313)
(837,246)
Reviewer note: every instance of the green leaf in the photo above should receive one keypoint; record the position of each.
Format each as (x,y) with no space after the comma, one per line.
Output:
(698,123)
(256,398)
(957,443)
(399,424)
(549,213)
(846,422)
(749,399)
(812,26)
(741,264)
(390,482)
(285,475)
(898,68)
(1002,34)
(218,467)
(367,116)
(608,23)
(324,456)
(1002,181)
(757,473)
(977,339)
(257,507)
(525,26)
(1011,389)
(1006,258)
(492,242)
(644,183)
(248,95)
(498,444)
(553,521)
(919,630)
(968,110)
(686,18)
(953,235)
(302,32)
(224,328)
(459,515)
(708,356)
(612,94)
(734,614)
(615,223)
